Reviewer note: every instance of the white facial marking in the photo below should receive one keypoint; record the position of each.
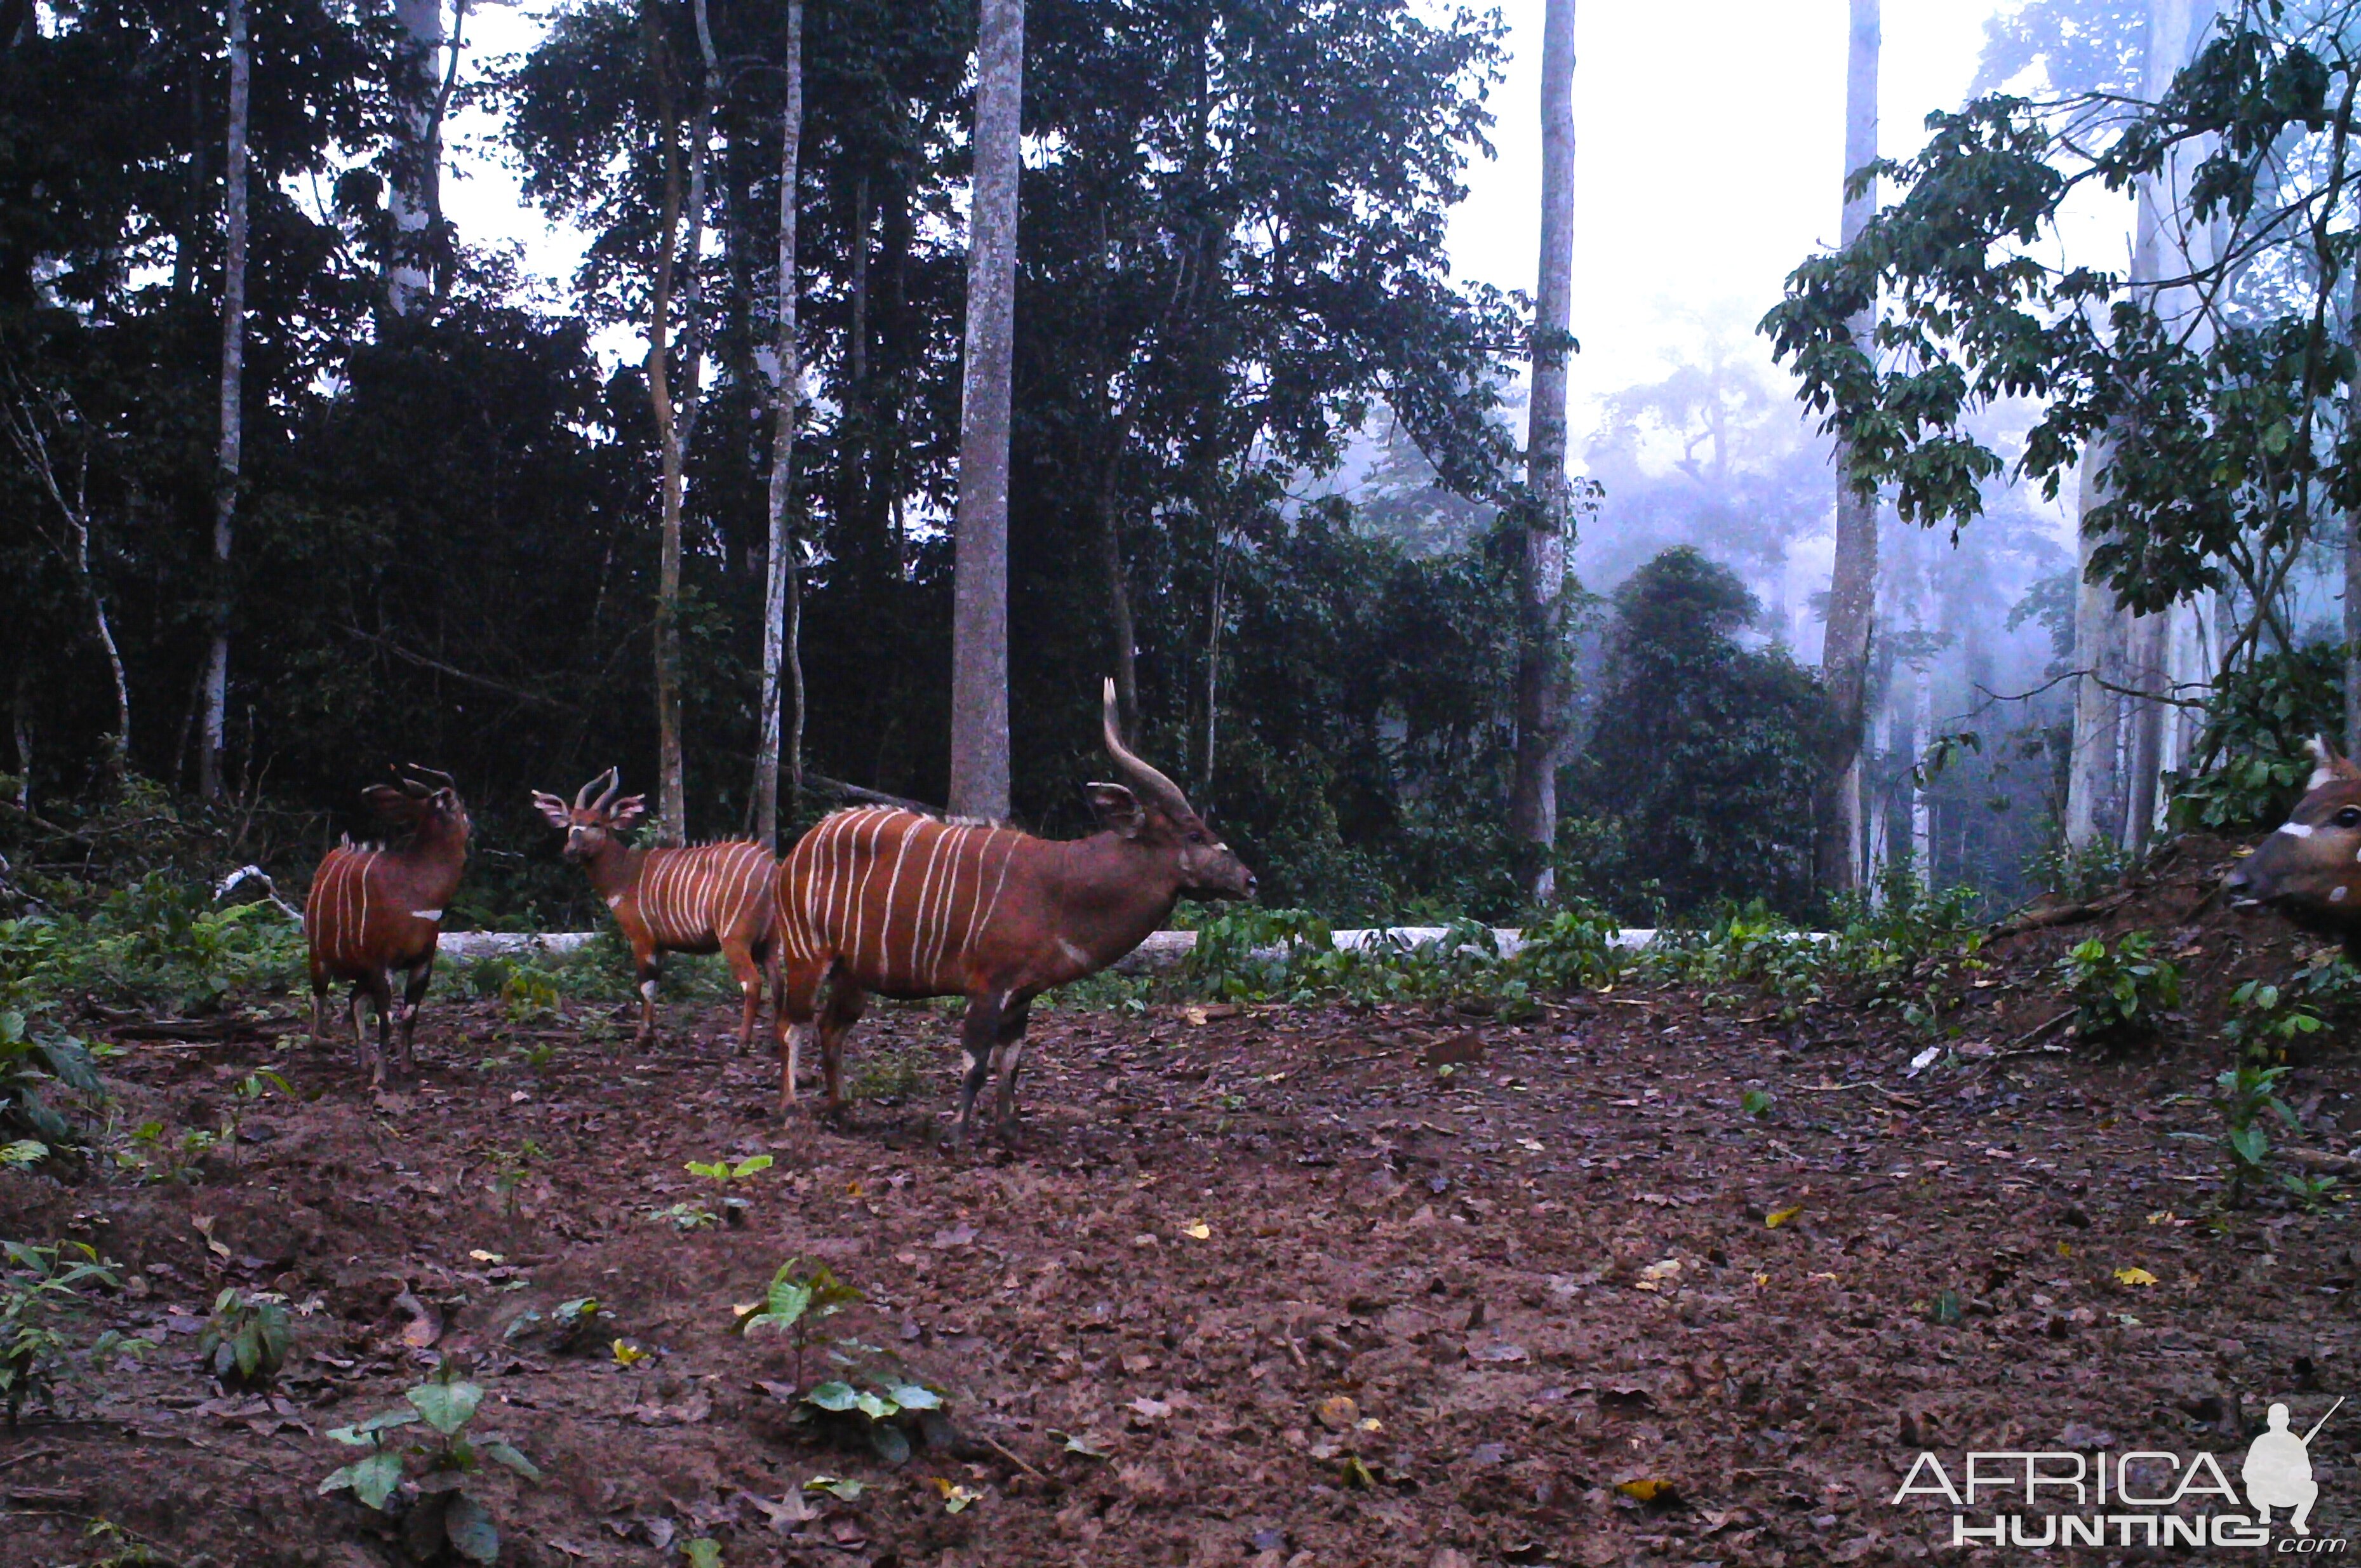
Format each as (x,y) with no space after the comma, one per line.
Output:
(614,900)
(426,913)
(2297,830)
(2336,895)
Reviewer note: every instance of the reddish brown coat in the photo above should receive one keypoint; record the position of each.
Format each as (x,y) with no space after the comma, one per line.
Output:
(2311,868)
(703,898)
(879,899)
(372,910)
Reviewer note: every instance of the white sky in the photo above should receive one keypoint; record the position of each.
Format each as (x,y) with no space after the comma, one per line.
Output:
(1708,159)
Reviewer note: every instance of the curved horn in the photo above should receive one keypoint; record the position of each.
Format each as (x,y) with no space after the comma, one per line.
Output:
(437,774)
(1144,778)
(614,788)
(410,786)
(582,795)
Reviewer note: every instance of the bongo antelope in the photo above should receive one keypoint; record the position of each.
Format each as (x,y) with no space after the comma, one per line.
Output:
(885,900)
(703,899)
(373,910)
(2311,868)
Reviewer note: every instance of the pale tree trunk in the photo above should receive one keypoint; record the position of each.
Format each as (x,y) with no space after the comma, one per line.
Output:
(1852,582)
(2163,247)
(783,579)
(1541,588)
(2099,634)
(675,413)
(228,458)
(979,783)
(409,282)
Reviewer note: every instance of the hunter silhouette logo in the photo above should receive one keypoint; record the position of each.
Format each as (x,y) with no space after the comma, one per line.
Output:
(2277,1472)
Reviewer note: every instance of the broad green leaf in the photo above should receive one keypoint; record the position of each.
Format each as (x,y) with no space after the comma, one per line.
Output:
(2250,1143)
(447,1406)
(914,1397)
(749,1167)
(704,1552)
(386,1421)
(893,1445)
(870,1405)
(469,1530)
(501,1450)
(372,1480)
(833,1395)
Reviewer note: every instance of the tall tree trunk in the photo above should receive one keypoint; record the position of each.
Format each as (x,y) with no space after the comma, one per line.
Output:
(228,459)
(2091,780)
(1540,643)
(979,784)
(1852,582)
(676,414)
(781,637)
(2130,741)
(415,195)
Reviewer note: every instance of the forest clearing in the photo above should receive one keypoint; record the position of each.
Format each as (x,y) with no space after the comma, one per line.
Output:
(1312,1282)
(1674,880)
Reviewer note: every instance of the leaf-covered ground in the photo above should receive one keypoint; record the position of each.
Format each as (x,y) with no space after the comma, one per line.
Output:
(1263,1284)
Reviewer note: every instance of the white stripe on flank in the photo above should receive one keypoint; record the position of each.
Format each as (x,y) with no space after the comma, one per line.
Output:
(426,914)
(975,905)
(2297,830)
(946,905)
(984,925)
(863,881)
(921,911)
(885,908)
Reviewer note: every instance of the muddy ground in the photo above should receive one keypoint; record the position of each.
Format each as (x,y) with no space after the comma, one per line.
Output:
(1261,1286)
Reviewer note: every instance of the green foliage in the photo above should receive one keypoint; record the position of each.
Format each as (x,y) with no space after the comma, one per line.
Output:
(483,451)
(1904,952)
(159,942)
(2266,1020)
(2260,722)
(727,1176)
(447,1506)
(1572,948)
(42,1301)
(1699,770)
(1250,953)
(2076,874)
(38,1062)
(796,1301)
(511,1170)
(2226,449)
(2118,992)
(245,1341)
(877,1408)
(2246,1095)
